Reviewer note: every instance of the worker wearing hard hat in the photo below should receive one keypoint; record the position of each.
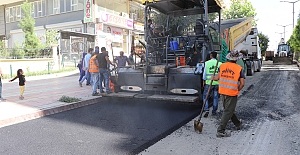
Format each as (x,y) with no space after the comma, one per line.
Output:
(231,77)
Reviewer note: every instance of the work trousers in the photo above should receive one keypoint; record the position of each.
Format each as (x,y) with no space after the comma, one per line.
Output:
(214,91)
(229,104)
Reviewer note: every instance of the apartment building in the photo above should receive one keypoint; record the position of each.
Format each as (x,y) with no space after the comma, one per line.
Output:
(114,22)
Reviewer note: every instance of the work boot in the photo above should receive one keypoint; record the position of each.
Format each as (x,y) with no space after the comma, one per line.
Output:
(240,126)
(206,114)
(224,134)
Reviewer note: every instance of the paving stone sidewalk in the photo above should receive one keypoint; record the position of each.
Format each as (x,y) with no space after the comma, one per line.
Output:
(41,97)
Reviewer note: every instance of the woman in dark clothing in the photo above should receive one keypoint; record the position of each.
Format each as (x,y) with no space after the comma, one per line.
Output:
(21,82)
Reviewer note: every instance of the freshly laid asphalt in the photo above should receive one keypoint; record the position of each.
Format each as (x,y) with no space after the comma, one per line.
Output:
(111,126)
(40,124)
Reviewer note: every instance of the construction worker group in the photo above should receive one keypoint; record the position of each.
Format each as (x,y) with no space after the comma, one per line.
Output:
(227,81)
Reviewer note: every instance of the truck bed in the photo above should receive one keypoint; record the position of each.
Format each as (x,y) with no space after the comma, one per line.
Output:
(236,30)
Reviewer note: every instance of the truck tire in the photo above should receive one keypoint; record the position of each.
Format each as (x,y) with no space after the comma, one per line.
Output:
(250,71)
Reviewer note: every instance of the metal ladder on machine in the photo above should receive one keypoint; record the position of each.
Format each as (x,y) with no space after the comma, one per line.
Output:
(156,81)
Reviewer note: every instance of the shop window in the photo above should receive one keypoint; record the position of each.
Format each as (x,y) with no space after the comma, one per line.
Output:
(18,12)
(80,4)
(43,8)
(12,12)
(32,9)
(74,5)
(62,6)
(39,9)
(50,6)
(68,5)
(7,15)
(56,9)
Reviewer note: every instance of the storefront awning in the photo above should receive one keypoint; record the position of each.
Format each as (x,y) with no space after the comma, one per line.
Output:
(68,34)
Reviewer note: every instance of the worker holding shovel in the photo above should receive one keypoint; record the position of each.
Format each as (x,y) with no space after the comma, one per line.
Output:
(231,79)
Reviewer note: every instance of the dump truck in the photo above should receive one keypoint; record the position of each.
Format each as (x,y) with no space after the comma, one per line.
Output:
(172,59)
(239,34)
(269,55)
(284,54)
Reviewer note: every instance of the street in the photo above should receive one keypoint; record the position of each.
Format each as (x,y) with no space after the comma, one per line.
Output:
(268,106)
(113,126)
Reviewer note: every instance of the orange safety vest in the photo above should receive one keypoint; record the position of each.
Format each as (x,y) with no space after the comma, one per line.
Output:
(92,65)
(229,79)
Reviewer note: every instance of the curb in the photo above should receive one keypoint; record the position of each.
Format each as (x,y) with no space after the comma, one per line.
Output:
(46,112)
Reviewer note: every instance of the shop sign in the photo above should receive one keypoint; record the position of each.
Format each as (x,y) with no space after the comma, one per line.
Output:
(139,27)
(116,20)
(88,11)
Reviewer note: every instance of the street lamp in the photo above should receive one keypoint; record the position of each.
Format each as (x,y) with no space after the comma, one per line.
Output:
(293,9)
(284,29)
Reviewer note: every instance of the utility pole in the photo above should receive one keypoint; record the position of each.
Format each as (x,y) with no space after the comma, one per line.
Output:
(293,10)
(284,29)
(280,34)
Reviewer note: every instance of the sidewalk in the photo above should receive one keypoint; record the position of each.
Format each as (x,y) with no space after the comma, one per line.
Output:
(41,97)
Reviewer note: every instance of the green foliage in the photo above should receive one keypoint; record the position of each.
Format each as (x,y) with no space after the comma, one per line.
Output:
(294,40)
(27,25)
(3,51)
(263,42)
(68,99)
(18,52)
(239,9)
(50,37)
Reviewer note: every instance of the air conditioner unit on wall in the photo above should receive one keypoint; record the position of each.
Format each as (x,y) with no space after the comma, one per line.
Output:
(133,16)
(123,14)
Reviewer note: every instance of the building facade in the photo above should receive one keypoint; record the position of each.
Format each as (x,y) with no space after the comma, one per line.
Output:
(117,24)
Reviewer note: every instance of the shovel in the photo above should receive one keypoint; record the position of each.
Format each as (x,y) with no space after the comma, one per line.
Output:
(198,126)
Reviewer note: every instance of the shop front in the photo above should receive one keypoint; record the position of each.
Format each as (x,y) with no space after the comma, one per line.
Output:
(137,37)
(113,32)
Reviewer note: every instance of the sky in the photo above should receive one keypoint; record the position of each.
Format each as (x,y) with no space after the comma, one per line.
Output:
(270,14)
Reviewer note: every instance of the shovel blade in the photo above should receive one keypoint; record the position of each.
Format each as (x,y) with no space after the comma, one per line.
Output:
(198,126)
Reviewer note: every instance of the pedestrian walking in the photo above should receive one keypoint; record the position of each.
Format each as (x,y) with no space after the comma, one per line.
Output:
(209,68)
(231,77)
(80,67)
(121,60)
(87,75)
(131,57)
(103,60)
(94,70)
(22,81)
(1,76)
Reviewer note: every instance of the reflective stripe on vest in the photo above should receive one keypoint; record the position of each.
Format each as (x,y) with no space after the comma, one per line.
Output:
(229,79)
(93,67)
(209,70)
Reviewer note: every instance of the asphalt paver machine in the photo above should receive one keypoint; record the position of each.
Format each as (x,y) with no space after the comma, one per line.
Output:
(171,59)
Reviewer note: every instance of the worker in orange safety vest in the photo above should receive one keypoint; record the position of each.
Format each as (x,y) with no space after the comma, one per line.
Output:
(231,81)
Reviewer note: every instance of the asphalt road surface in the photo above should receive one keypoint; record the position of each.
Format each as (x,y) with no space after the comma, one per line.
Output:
(113,126)
(269,107)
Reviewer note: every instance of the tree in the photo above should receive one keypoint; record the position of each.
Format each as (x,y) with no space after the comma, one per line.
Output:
(263,43)
(27,25)
(239,9)
(51,38)
(294,40)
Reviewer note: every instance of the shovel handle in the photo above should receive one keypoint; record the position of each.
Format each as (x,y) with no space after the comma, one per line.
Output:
(206,97)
